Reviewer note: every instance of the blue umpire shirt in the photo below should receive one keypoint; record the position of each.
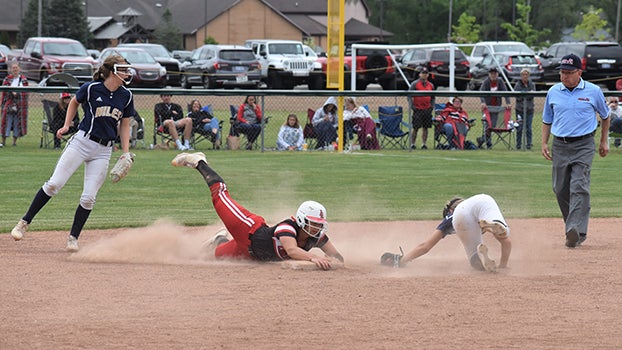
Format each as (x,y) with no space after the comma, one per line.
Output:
(572,113)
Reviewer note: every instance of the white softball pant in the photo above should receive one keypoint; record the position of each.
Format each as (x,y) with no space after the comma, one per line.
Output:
(466,220)
(80,149)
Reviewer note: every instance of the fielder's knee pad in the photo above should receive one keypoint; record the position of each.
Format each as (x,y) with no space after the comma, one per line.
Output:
(87,202)
(50,188)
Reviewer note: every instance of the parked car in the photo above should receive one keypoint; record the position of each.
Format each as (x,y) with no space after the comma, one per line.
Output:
(161,54)
(511,64)
(44,56)
(5,53)
(147,71)
(181,55)
(487,47)
(436,60)
(601,61)
(215,66)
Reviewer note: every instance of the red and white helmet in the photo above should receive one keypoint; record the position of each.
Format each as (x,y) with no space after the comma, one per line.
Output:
(312,214)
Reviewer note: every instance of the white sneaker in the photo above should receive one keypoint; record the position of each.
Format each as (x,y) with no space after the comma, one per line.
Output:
(72,244)
(497,228)
(19,230)
(220,237)
(190,160)
(488,264)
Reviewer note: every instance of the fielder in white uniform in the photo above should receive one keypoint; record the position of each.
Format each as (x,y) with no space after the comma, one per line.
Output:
(469,219)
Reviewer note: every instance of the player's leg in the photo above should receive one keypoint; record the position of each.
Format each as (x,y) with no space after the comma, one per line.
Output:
(95,171)
(71,158)
(238,220)
(468,230)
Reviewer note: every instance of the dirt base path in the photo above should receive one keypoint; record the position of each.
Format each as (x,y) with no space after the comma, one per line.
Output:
(155,288)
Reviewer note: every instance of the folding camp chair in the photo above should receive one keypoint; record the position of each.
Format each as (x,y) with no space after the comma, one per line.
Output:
(199,134)
(497,131)
(392,134)
(235,130)
(440,139)
(47,130)
(309,132)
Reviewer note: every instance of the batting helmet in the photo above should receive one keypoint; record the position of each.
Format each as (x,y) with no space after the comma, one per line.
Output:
(311,217)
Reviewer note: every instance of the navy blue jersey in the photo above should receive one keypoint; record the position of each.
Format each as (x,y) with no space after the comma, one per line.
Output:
(104,108)
(447,226)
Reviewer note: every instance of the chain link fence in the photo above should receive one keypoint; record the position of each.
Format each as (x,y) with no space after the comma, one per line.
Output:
(277,105)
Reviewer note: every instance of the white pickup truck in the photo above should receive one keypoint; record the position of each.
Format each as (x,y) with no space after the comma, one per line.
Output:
(284,64)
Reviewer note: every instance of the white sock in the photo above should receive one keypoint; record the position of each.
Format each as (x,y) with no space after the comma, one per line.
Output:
(187,143)
(178,143)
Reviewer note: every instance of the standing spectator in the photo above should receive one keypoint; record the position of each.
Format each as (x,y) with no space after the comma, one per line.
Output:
(422,107)
(58,118)
(363,124)
(106,104)
(205,122)
(14,106)
(616,118)
(249,120)
(492,103)
(570,115)
(290,136)
(169,117)
(325,123)
(524,108)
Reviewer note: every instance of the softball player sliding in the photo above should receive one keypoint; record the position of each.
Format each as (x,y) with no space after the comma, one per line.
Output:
(105,102)
(469,219)
(252,238)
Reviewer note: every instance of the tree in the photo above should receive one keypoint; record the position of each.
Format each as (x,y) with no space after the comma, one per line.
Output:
(210,40)
(62,18)
(592,27)
(522,30)
(167,34)
(29,26)
(467,31)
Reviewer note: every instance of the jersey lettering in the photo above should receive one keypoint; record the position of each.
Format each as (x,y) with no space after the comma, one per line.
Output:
(108,111)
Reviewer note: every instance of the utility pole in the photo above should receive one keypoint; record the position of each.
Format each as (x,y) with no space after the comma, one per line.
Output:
(451,6)
(39,17)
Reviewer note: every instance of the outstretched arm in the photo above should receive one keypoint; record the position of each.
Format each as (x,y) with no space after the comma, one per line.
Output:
(423,247)
(331,251)
(296,253)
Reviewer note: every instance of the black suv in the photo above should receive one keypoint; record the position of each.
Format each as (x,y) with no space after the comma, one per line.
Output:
(601,61)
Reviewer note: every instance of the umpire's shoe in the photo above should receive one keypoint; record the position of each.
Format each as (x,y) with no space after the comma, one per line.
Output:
(572,238)
(18,231)
(190,160)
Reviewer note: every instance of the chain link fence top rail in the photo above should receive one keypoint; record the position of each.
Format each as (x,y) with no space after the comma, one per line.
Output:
(279,104)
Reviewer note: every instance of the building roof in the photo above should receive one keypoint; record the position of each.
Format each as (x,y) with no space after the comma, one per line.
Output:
(355,27)
(97,23)
(308,24)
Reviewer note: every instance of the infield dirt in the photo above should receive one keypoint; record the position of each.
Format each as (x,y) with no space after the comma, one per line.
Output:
(156,288)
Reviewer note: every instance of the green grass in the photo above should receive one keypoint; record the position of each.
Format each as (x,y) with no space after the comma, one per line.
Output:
(383,185)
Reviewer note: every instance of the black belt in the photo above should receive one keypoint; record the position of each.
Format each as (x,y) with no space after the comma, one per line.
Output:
(571,139)
(102,142)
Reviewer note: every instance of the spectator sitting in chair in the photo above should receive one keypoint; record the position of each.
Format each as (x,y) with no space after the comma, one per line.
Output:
(249,120)
(325,123)
(455,124)
(290,136)
(615,112)
(203,120)
(364,125)
(169,117)
(58,118)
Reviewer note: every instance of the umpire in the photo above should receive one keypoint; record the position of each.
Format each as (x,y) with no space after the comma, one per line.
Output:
(570,115)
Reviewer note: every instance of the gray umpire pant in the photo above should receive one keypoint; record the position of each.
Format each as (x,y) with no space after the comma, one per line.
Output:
(572,164)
